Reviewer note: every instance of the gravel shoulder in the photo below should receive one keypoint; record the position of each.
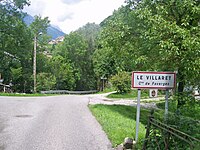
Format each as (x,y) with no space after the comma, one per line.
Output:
(102,99)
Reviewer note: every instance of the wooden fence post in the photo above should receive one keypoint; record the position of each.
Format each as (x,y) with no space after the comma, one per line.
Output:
(148,130)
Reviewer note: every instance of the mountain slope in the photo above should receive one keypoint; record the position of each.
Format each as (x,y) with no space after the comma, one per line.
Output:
(51,31)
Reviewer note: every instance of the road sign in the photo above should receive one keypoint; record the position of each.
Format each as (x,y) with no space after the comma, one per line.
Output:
(155,80)
(153,93)
(152,80)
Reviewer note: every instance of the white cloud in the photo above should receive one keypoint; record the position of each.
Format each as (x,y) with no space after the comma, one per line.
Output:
(37,7)
(64,17)
(70,17)
(71,1)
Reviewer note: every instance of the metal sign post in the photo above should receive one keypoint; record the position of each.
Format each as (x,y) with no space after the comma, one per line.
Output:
(138,115)
(166,103)
(152,80)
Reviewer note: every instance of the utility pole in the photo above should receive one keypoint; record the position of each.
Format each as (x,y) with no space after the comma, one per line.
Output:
(34,64)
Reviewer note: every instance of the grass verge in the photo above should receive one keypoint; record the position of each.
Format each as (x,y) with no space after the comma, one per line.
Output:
(119,121)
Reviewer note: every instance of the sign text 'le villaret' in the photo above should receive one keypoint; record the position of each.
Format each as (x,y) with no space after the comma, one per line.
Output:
(153,80)
(154,77)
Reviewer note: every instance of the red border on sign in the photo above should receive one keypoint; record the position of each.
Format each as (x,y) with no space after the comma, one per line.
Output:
(151,72)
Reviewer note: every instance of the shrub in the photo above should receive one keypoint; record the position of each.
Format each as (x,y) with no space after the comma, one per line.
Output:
(45,81)
(122,82)
(159,138)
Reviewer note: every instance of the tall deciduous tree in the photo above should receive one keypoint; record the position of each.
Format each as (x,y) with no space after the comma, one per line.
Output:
(39,25)
(89,32)
(15,42)
(63,72)
(170,34)
(116,45)
(78,48)
(156,35)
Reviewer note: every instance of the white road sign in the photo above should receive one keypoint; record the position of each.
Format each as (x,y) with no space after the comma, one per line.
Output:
(157,80)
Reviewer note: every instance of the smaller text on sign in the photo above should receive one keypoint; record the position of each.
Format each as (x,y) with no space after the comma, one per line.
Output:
(158,80)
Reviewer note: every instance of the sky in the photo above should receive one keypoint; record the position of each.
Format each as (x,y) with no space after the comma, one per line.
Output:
(69,15)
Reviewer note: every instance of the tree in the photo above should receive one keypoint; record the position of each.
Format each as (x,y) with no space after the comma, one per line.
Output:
(46,81)
(159,35)
(63,72)
(39,25)
(89,32)
(169,32)
(116,45)
(15,42)
(78,48)
(16,78)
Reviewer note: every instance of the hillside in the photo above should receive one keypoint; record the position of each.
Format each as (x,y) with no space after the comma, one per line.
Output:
(51,31)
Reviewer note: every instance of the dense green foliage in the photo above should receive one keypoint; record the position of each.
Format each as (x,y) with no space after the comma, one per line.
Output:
(121,82)
(78,48)
(45,81)
(186,120)
(145,35)
(190,109)
(70,67)
(63,72)
(170,31)
(15,45)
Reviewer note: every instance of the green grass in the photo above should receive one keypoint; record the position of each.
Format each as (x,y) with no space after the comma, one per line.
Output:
(120,121)
(189,110)
(132,95)
(25,95)
(106,90)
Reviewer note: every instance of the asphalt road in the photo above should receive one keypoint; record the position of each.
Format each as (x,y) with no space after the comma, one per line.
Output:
(49,123)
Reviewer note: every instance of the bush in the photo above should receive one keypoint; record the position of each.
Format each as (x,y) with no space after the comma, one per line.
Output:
(45,82)
(159,138)
(122,82)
